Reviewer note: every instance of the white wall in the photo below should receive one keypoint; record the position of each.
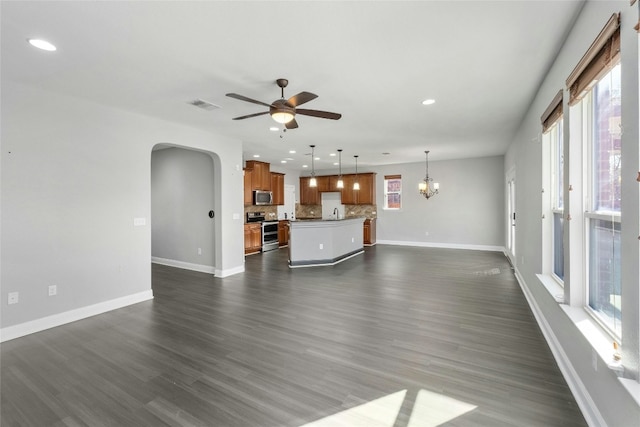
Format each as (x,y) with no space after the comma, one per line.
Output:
(74,177)
(468,211)
(182,195)
(602,395)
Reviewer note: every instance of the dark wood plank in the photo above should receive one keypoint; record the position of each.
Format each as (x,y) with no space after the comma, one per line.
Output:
(281,347)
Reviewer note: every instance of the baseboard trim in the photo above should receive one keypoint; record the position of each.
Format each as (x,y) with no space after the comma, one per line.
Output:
(33,326)
(229,271)
(184,265)
(443,245)
(583,398)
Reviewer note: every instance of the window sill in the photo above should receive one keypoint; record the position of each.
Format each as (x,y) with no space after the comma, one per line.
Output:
(600,340)
(553,287)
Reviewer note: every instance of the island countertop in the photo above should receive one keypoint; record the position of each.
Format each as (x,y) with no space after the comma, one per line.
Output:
(314,242)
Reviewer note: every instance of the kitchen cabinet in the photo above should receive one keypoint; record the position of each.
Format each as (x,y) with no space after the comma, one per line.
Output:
(365,196)
(252,238)
(261,176)
(277,187)
(323,184)
(369,232)
(283,232)
(248,189)
(367,193)
(348,194)
(308,195)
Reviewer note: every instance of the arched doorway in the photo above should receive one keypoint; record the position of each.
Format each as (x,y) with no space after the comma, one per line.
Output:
(183,206)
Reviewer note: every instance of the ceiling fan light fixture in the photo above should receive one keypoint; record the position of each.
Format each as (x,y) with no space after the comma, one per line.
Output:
(282,116)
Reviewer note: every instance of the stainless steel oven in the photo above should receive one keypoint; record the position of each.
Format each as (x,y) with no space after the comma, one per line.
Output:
(269,235)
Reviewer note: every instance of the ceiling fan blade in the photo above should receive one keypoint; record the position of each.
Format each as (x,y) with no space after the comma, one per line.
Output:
(291,125)
(318,113)
(250,115)
(244,98)
(301,98)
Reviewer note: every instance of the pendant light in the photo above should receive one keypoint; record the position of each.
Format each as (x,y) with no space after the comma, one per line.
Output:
(356,185)
(313,182)
(427,187)
(340,183)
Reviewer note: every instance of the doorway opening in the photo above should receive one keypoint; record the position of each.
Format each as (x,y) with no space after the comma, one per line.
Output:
(183,208)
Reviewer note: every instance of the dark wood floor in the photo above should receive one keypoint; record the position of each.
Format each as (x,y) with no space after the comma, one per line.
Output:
(430,335)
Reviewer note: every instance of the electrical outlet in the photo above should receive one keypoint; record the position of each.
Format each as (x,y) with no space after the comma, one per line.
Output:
(199,251)
(321,246)
(353,239)
(53,290)
(12,298)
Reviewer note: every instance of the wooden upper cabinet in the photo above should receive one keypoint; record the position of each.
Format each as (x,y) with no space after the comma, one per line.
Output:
(308,195)
(323,183)
(365,196)
(367,193)
(261,178)
(348,193)
(277,187)
(248,187)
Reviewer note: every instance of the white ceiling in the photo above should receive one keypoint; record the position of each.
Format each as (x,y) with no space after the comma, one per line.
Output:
(372,61)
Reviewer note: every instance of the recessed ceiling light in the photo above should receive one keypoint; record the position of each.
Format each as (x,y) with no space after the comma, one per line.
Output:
(316,158)
(332,154)
(288,158)
(274,129)
(256,155)
(42,44)
(283,161)
(335,164)
(428,101)
(292,151)
(305,166)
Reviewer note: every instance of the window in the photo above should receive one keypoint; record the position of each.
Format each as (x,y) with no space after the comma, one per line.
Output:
(392,192)
(553,205)
(557,199)
(602,217)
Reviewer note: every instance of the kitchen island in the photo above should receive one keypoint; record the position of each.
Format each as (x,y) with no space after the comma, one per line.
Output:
(324,242)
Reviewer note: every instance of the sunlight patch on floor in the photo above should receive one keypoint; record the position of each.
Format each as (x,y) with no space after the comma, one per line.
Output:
(380,412)
(434,409)
(430,410)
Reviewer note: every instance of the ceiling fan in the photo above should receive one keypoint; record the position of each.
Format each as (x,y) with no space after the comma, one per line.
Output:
(285,110)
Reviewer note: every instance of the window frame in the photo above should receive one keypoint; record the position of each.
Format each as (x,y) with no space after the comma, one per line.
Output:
(386,192)
(590,214)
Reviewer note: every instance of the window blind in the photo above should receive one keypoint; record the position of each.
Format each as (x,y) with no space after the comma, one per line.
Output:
(553,112)
(392,176)
(601,57)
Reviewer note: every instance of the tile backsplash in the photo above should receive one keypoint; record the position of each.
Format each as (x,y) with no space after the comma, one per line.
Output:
(314,211)
(350,211)
(270,212)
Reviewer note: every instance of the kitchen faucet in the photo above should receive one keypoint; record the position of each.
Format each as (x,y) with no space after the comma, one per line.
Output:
(336,213)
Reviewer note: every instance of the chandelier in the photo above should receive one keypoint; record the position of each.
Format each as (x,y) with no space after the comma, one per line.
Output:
(427,187)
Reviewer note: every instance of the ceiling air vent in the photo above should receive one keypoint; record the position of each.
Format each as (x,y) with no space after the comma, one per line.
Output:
(205,105)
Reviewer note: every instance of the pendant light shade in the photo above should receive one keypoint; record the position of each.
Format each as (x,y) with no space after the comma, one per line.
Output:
(340,183)
(356,184)
(313,182)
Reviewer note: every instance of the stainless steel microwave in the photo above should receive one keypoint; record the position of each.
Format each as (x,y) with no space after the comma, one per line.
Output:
(262,197)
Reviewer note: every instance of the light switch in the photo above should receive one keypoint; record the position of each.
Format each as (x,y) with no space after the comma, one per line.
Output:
(137,222)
